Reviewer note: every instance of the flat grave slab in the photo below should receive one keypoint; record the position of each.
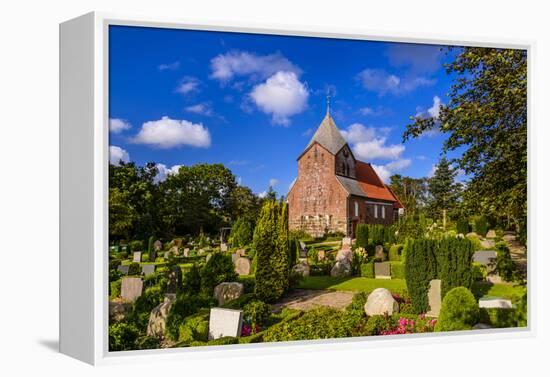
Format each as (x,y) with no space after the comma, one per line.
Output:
(495,303)
(123,269)
(485,257)
(382,270)
(148,269)
(131,289)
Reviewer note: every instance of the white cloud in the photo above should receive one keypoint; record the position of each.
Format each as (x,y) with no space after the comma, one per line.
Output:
(273,182)
(387,170)
(117,155)
(431,112)
(164,171)
(204,108)
(224,67)
(369,143)
(117,125)
(169,133)
(308,132)
(431,173)
(187,85)
(169,67)
(370,111)
(282,96)
(262,194)
(382,82)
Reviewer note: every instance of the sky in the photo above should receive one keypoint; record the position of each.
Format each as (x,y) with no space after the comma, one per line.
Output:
(252,102)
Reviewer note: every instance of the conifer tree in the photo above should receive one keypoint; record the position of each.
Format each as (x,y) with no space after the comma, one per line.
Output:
(264,243)
(280,260)
(443,189)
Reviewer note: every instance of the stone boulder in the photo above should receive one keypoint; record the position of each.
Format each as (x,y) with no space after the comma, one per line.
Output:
(157,319)
(341,268)
(225,292)
(302,268)
(491,234)
(380,302)
(488,244)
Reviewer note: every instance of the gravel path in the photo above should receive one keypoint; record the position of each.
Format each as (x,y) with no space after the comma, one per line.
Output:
(307,299)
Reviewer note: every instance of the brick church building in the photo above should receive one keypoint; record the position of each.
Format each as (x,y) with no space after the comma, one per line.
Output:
(334,191)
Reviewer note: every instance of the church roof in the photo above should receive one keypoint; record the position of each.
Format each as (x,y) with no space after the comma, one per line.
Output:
(328,135)
(371,183)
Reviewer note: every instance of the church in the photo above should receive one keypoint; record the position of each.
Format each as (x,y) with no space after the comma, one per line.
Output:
(334,191)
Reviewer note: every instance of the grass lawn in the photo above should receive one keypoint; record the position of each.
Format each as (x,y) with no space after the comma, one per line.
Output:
(509,291)
(356,284)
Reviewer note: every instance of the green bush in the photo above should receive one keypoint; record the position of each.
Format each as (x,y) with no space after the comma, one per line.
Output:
(397,270)
(136,245)
(505,266)
(217,270)
(367,269)
(256,313)
(362,235)
(420,268)
(499,317)
(184,306)
(122,336)
(240,302)
(192,280)
(241,232)
(377,324)
(395,252)
(479,271)
(114,288)
(454,263)
(459,311)
(134,268)
(462,226)
(193,328)
(114,263)
(249,282)
(481,225)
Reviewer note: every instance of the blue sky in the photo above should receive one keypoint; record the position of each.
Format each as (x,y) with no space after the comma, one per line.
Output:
(252,102)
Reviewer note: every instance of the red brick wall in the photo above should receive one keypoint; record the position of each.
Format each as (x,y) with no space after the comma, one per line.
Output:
(317,202)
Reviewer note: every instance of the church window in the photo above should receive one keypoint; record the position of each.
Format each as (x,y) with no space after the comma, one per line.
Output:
(376,211)
(383,212)
(356,208)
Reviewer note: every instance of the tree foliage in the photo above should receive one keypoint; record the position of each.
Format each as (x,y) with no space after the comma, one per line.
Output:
(444,191)
(412,192)
(486,118)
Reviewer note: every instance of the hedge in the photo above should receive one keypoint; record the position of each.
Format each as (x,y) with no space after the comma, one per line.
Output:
(499,317)
(462,226)
(367,269)
(395,252)
(397,270)
(481,225)
(362,235)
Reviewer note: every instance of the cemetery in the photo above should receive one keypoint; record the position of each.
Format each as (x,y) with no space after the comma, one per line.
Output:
(275,285)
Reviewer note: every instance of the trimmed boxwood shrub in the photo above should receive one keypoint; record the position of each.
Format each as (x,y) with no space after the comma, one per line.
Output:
(367,269)
(217,270)
(454,263)
(395,252)
(362,235)
(420,268)
(481,225)
(499,317)
(134,268)
(459,311)
(397,270)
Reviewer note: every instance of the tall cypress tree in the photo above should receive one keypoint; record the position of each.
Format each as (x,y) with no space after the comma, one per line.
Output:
(265,243)
(443,189)
(280,260)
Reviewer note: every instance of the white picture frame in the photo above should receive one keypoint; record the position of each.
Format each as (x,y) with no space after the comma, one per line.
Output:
(84,192)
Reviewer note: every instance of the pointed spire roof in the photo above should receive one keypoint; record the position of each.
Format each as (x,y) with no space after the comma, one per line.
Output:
(328,135)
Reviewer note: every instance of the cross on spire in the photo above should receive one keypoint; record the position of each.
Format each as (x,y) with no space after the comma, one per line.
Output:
(328,101)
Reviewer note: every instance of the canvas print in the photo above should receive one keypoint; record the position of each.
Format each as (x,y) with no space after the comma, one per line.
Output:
(268,188)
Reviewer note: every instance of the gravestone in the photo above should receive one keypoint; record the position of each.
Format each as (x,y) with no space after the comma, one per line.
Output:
(223,247)
(148,269)
(341,268)
(321,255)
(225,322)
(178,242)
(381,302)
(382,270)
(137,256)
(174,250)
(344,254)
(234,257)
(152,255)
(174,279)
(240,252)
(434,298)
(131,289)
(303,250)
(346,241)
(242,266)
(491,234)
(485,257)
(157,319)
(186,252)
(379,253)
(496,303)
(157,245)
(124,269)
(228,291)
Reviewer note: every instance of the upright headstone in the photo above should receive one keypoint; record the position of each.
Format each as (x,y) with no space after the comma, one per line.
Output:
(302,268)
(225,322)
(321,255)
(303,250)
(157,245)
(137,256)
(131,289)
(148,269)
(178,242)
(382,270)
(174,279)
(346,241)
(242,266)
(223,247)
(186,252)
(379,253)
(434,298)
(157,319)
(174,250)
(346,254)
